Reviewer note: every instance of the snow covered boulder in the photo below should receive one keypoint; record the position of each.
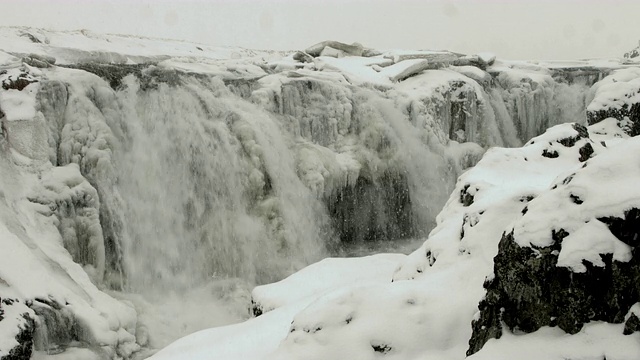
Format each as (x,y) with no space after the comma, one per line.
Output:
(16,330)
(16,79)
(572,257)
(617,96)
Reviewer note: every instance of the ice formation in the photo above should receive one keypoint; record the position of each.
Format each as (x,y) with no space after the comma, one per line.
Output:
(157,171)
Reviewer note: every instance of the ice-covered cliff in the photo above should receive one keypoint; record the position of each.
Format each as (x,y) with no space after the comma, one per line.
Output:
(534,257)
(160,172)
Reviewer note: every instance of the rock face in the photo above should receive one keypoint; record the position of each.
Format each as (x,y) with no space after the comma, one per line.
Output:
(573,257)
(19,319)
(617,96)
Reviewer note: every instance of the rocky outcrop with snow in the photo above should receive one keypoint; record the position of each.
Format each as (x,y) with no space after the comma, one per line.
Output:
(617,96)
(570,259)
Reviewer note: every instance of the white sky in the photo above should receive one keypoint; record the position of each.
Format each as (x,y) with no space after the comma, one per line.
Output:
(514,29)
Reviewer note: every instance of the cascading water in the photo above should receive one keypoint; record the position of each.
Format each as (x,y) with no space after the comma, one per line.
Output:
(211,190)
(206,189)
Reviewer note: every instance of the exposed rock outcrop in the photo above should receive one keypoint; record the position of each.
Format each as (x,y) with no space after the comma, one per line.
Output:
(574,255)
(16,318)
(617,96)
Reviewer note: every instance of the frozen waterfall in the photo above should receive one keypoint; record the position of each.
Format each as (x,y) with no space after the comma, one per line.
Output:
(179,191)
(202,180)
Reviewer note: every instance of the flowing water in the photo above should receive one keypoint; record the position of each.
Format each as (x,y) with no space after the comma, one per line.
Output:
(205,193)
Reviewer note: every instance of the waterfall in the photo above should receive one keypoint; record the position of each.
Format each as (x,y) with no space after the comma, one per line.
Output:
(211,190)
(181,192)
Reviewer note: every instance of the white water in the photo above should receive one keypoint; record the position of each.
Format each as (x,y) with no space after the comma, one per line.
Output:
(207,194)
(211,191)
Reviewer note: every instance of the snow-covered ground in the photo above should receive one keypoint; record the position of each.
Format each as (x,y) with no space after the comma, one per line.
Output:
(141,208)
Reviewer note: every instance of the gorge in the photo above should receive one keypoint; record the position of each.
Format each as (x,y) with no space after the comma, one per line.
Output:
(146,183)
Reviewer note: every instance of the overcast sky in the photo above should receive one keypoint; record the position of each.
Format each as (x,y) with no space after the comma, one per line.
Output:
(514,29)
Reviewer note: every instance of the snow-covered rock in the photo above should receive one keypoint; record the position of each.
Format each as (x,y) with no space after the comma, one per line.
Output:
(571,257)
(17,327)
(617,96)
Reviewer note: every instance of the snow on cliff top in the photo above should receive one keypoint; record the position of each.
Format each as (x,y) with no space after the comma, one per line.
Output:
(75,46)
(383,68)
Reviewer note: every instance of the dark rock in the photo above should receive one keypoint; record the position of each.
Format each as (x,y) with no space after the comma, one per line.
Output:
(550,154)
(25,336)
(583,133)
(19,83)
(149,75)
(381,348)
(256,308)
(626,229)
(585,152)
(466,199)
(631,325)
(631,112)
(529,291)
(576,199)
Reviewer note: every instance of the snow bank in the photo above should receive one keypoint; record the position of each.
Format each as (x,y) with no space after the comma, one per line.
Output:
(322,277)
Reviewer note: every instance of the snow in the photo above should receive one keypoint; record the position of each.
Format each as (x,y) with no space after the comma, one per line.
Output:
(595,341)
(18,105)
(78,46)
(587,243)
(588,237)
(620,89)
(328,274)
(12,322)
